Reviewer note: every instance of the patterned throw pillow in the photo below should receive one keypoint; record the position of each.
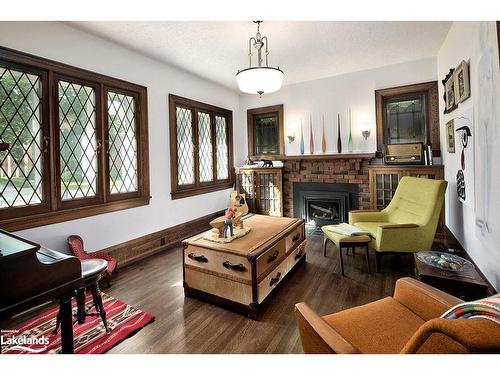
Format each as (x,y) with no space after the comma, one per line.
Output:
(486,308)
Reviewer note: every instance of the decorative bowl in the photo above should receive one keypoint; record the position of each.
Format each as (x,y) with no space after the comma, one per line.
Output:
(445,261)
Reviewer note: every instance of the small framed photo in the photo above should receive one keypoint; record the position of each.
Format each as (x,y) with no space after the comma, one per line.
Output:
(450,136)
(449,92)
(461,82)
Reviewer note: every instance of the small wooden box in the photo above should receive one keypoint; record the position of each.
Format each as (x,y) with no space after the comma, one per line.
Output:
(243,274)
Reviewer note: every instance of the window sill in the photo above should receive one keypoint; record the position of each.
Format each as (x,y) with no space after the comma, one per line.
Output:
(33,221)
(200,190)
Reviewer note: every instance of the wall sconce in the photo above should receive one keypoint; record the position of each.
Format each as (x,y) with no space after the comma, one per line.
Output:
(365,133)
(290,134)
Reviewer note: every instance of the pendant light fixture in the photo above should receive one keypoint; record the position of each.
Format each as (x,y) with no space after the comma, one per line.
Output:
(259,79)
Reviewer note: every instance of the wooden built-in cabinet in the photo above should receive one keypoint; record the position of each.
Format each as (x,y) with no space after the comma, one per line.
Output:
(384,180)
(263,187)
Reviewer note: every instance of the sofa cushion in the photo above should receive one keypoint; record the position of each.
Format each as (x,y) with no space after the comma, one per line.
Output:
(383,321)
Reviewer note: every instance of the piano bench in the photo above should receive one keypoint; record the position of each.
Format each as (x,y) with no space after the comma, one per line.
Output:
(92,270)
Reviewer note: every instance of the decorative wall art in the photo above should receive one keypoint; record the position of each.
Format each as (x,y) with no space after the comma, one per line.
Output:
(461,82)
(449,92)
(487,113)
(323,137)
(465,173)
(450,136)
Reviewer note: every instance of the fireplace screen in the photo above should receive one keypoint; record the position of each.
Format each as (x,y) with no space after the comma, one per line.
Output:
(321,212)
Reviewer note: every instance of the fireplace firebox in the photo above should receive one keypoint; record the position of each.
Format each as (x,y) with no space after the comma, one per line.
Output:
(323,203)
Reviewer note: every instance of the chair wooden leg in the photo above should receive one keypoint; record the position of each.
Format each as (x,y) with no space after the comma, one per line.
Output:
(96,296)
(378,261)
(325,239)
(108,279)
(368,259)
(341,260)
(81,314)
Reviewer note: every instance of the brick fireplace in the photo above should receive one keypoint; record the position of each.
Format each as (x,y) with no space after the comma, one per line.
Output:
(334,170)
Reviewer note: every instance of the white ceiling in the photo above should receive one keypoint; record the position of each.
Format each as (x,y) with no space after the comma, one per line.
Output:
(303,50)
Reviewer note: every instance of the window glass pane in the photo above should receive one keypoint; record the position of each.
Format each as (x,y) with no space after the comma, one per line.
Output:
(205,147)
(21,177)
(122,143)
(77,141)
(221,147)
(405,119)
(185,149)
(266,134)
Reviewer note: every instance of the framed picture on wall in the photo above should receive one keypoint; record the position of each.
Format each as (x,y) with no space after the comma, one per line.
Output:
(449,92)
(450,136)
(461,82)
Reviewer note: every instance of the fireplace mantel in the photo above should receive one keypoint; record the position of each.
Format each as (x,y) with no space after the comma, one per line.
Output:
(347,155)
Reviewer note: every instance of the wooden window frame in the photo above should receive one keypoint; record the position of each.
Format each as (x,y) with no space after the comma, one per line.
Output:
(183,191)
(53,209)
(430,90)
(251,132)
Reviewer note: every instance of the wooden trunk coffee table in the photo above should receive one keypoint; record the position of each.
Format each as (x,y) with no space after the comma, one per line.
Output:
(244,273)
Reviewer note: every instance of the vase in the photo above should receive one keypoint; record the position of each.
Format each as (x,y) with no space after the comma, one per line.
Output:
(301,139)
(339,140)
(311,136)
(323,138)
(349,140)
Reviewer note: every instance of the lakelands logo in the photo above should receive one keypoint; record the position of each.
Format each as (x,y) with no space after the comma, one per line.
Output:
(23,343)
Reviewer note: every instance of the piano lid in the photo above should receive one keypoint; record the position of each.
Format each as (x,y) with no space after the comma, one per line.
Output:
(12,245)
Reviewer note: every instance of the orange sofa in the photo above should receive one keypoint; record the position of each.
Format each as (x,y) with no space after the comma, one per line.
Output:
(408,322)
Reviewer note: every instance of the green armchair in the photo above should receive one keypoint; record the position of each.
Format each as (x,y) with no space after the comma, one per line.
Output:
(409,222)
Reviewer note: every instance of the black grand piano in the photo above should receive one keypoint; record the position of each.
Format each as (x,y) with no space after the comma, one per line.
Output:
(31,275)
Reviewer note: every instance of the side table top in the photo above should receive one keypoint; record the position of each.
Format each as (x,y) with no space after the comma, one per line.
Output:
(472,277)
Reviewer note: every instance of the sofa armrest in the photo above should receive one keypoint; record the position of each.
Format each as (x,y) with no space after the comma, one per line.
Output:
(424,300)
(455,336)
(317,336)
(358,216)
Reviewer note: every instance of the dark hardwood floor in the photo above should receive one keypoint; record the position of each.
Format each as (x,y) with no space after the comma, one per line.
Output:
(186,325)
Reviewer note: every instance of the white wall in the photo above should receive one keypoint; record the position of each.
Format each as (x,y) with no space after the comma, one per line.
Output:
(334,95)
(470,41)
(66,44)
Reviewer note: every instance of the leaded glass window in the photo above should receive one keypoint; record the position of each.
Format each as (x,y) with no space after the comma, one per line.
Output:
(185,146)
(406,119)
(205,156)
(221,147)
(77,141)
(21,172)
(122,151)
(201,151)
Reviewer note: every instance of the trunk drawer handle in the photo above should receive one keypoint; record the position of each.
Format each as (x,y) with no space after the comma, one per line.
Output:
(198,258)
(273,257)
(298,254)
(235,267)
(275,279)
(296,237)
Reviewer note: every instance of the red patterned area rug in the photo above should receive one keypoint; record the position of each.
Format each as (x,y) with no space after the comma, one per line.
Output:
(35,335)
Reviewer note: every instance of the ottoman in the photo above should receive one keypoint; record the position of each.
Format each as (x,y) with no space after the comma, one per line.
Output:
(343,241)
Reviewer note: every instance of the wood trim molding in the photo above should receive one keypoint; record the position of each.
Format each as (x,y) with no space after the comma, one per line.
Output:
(281,133)
(139,248)
(432,104)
